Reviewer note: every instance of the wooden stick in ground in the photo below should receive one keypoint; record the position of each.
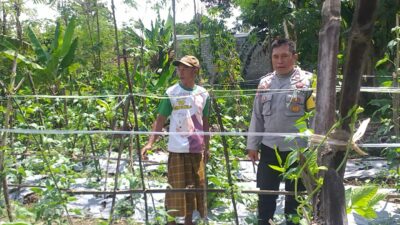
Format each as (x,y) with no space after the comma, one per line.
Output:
(3,176)
(226,154)
(113,124)
(120,149)
(9,111)
(136,128)
(4,136)
(197,18)
(119,99)
(43,155)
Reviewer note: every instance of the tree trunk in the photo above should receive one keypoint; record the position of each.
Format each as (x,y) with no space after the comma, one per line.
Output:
(357,47)
(328,204)
(327,66)
(357,51)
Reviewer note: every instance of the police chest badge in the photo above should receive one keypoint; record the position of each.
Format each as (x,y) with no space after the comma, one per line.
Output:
(295,108)
(294,104)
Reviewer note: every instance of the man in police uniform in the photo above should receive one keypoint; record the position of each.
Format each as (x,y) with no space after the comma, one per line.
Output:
(281,99)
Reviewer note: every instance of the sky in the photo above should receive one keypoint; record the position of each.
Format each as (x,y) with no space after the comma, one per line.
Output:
(184,11)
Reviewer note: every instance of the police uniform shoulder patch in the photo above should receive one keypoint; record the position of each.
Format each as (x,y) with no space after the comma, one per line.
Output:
(265,81)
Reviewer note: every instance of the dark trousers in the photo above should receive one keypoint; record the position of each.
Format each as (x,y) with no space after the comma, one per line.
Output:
(269,179)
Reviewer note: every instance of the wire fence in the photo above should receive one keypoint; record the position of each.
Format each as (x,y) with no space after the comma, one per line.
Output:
(123,133)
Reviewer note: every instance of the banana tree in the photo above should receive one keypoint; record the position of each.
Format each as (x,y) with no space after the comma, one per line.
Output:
(55,61)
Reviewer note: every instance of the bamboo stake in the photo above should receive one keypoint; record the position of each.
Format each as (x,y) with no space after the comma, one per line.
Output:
(9,112)
(226,154)
(4,137)
(113,123)
(205,205)
(131,162)
(96,161)
(136,128)
(121,146)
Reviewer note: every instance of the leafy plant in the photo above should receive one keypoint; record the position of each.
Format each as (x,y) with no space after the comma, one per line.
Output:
(124,208)
(362,200)
(55,61)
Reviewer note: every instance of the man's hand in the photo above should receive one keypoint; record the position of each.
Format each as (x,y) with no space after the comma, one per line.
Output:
(143,152)
(252,155)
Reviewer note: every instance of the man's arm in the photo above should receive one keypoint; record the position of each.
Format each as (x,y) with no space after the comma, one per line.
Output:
(256,125)
(157,127)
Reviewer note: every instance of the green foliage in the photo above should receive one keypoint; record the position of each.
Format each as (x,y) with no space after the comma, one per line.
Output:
(17,223)
(10,54)
(59,64)
(308,168)
(362,200)
(162,216)
(124,208)
(302,20)
(50,206)
(382,109)
(8,43)
(22,215)
(56,60)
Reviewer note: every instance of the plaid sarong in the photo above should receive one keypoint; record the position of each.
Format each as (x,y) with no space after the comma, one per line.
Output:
(185,170)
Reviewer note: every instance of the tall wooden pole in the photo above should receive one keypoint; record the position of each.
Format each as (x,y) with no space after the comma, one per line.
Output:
(329,204)
(227,161)
(327,66)
(357,48)
(323,203)
(136,128)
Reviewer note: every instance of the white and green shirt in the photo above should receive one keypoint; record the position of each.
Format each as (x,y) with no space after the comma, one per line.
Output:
(186,108)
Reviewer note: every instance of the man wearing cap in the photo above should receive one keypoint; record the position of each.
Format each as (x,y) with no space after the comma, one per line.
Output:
(187,106)
(283,97)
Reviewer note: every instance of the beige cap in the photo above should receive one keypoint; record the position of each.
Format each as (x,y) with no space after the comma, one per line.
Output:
(188,60)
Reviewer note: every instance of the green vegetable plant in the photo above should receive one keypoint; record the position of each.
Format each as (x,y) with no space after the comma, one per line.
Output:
(362,200)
